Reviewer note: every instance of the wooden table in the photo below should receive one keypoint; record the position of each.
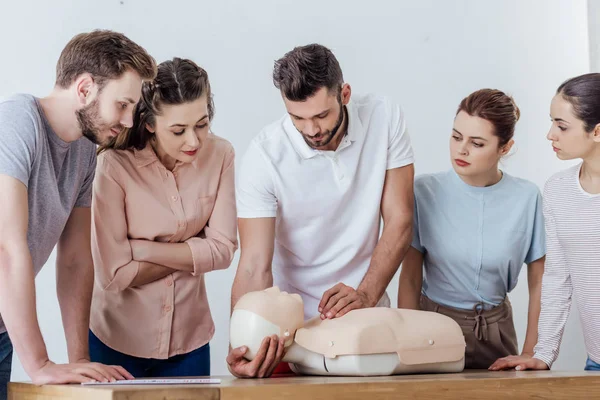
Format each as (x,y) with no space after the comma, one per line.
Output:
(477,385)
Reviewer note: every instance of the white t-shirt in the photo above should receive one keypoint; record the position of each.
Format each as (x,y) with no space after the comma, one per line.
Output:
(326,203)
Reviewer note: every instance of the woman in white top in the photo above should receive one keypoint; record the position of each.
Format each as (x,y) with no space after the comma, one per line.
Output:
(572,215)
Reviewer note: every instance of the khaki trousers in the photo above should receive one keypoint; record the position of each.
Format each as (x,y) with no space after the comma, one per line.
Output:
(489,334)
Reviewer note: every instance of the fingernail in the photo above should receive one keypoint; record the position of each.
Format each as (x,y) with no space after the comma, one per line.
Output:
(328,315)
(518,368)
(320,309)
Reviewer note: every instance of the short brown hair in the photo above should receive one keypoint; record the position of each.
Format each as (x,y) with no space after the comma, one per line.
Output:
(496,107)
(105,55)
(300,73)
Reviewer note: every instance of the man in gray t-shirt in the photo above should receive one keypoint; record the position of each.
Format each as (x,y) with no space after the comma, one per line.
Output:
(47,164)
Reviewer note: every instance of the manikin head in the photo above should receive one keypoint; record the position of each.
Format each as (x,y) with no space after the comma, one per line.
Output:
(265,313)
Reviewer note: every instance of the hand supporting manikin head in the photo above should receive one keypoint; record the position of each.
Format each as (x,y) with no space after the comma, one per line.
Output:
(264,313)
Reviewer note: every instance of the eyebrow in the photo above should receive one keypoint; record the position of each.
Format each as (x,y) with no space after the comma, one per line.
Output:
(130,100)
(316,115)
(559,120)
(472,137)
(184,125)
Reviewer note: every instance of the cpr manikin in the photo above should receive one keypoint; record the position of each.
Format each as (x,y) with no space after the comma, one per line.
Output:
(364,342)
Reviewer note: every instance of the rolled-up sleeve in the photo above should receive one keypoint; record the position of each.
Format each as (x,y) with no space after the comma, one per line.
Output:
(216,244)
(114,266)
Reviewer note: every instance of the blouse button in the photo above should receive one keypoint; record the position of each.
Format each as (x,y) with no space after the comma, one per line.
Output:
(174,198)
(168,308)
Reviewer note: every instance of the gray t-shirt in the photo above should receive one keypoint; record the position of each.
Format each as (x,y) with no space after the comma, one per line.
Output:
(58,175)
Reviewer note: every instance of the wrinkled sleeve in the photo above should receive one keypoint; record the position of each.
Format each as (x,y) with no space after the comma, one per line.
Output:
(216,244)
(114,266)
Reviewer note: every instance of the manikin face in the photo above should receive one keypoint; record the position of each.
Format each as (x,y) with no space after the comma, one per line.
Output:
(180,130)
(474,147)
(109,110)
(320,117)
(567,132)
(276,295)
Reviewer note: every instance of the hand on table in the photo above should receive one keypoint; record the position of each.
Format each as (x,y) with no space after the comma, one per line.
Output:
(51,373)
(520,363)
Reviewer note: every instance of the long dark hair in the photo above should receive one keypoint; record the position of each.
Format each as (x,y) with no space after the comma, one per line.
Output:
(583,92)
(178,81)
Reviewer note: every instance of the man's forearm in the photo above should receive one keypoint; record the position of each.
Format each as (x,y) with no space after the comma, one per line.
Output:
(248,279)
(75,283)
(386,259)
(18,308)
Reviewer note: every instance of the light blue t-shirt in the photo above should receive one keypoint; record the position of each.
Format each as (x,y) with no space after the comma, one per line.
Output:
(475,239)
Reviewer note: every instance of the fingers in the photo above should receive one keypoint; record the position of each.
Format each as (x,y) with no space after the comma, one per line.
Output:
(269,358)
(236,354)
(91,373)
(347,308)
(71,377)
(123,372)
(521,367)
(278,356)
(250,369)
(517,362)
(328,293)
(333,301)
(108,372)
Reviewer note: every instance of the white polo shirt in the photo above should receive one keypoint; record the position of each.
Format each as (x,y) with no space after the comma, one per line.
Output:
(326,203)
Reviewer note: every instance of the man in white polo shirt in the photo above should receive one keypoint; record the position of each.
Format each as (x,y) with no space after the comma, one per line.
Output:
(311,191)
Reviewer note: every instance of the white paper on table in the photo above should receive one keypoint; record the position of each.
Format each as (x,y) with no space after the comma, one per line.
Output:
(169,381)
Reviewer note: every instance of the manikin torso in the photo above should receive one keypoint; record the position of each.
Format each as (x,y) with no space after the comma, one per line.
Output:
(371,341)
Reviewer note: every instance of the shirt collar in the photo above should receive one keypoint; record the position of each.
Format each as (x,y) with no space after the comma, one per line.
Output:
(147,156)
(355,131)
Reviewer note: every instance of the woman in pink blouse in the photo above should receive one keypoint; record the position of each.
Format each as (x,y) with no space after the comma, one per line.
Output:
(163,215)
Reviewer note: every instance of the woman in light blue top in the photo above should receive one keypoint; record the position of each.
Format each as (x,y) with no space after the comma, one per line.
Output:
(474,228)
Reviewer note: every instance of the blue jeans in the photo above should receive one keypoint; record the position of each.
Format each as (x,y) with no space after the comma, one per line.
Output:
(591,365)
(6,353)
(194,363)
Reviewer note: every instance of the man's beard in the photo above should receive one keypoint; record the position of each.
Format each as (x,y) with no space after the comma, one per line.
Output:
(89,121)
(91,124)
(328,136)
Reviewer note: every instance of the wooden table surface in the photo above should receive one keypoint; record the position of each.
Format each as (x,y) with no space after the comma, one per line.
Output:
(477,385)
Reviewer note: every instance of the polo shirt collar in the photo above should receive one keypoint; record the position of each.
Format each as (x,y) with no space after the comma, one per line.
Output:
(355,132)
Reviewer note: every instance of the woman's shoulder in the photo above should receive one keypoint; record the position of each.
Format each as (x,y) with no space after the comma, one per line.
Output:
(430,183)
(220,144)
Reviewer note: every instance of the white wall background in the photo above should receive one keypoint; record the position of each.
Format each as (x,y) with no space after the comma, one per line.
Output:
(425,54)
(594,34)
